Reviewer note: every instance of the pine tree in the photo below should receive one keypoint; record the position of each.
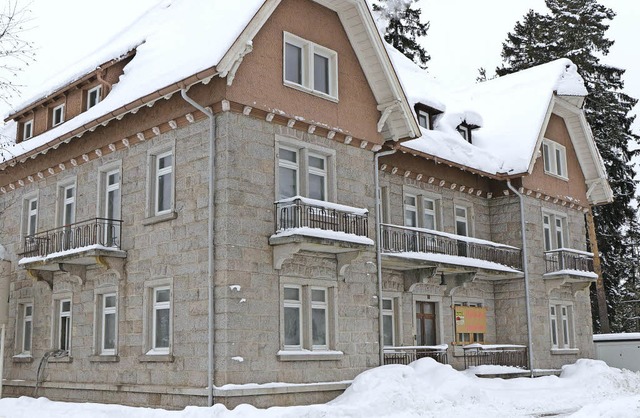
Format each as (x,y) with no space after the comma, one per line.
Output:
(576,29)
(403,28)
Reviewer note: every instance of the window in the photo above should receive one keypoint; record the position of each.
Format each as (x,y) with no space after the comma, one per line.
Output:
(462,220)
(161,185)
(306,314)
(24,328)
(424,119)
(310,67)
(410,211)
(67,204)
(62,326)
(561,325)
(555,159)
(107,323)
(304,171)
(93,96)
(388,322)
(421,211)
(30,211)
(470,322)
(57,115)
(109,207)
(27,130)
(554,227)
(161,319)
(426,115)
(429,213)
(465,132)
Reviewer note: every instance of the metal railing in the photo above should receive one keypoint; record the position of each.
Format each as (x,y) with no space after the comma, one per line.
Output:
(567,259)
(97,231)
(298,213)
(401,239)
(406,355)
(497,355)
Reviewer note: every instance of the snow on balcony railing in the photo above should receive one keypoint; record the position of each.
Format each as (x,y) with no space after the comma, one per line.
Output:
(304,216)
(400,239)
(569,260)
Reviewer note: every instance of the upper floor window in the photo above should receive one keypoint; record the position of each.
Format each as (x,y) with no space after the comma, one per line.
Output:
(426,115)
(68,204)
(93,96)
(462,220)
(109,204)
(30,216)
(410,210)
(421,211)
(27,130)
(310,67)
(57,115)
(554,230)
(303,171)
(555,158)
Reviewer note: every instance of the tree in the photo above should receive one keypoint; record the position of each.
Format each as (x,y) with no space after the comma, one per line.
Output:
(15,51)
(403,28)
(576,29)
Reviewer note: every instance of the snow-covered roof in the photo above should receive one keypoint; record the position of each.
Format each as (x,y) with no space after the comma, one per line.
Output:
(178,40)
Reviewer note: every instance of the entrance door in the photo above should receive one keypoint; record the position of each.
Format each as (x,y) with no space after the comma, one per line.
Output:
(425,323)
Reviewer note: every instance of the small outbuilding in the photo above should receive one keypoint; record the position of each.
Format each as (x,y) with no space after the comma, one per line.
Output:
(619,350)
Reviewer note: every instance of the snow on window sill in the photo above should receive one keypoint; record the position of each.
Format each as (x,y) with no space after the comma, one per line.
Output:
(22,358)
(308,355)
(156,357)
(160,218)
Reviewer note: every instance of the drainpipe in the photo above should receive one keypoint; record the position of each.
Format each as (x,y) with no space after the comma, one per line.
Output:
(526,275)
(1,356)
(210,267)
(378,203)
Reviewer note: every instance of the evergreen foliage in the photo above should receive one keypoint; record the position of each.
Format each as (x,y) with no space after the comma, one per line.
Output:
(576,29)
(403,28)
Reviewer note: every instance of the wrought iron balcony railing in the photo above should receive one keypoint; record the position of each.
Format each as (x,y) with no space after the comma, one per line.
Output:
(567,259)
(496,355)
(408,354)
(301,212)
(396,239)
(97,231)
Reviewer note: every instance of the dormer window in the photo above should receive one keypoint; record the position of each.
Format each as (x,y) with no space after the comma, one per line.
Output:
(465,130)
(27,130)
(93,96)
(426,115)
(57,115)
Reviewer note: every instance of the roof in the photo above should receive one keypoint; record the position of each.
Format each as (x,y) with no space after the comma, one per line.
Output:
(173,42)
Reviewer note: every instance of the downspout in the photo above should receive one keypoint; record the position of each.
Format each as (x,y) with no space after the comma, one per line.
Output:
(525,270)
(210,267)
(378,203)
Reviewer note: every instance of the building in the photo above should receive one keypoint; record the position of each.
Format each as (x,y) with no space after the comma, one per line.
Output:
(147,261)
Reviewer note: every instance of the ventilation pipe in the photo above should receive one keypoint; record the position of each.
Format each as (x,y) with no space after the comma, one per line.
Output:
(211,253)
(525,270)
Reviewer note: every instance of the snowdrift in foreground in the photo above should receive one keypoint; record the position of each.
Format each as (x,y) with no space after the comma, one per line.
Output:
(588,388)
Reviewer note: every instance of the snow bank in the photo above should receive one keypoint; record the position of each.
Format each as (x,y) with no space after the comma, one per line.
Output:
(425,388)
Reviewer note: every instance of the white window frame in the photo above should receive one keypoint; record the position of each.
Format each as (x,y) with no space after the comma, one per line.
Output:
(30,215)
(554,236)
(466,219)
(153,158)
(97,90)
(390,313)
(309,50)
(27,130)
(57,109)
(318,172)
(420,207)
(303,170)
(306,305)
(104,192)
(426,117)
(410,210)
(159,173)
(151,306)
(63,201)
(465,132)
(58,317)
(24,320)
(111,310)
(561,324)
(554,158)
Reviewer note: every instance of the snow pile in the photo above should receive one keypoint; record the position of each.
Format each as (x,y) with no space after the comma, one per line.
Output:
(589,388)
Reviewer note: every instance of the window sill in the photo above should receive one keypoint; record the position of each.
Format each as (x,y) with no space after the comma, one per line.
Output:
(561,351)
(549,173)
(311,91)
(307,355)
(108,358)
(156,358)
(160,218)
(21,358)
(63,359)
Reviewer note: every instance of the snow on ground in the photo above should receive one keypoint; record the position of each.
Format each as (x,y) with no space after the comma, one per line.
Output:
(588,388)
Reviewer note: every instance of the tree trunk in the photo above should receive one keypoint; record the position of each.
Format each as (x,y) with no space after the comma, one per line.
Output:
(602,296)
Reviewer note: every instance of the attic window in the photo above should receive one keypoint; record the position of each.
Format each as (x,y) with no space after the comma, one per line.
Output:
(426,115)
(310,67)
(57,115)
(555,158)
(465,130)
(27,130)
(93,96)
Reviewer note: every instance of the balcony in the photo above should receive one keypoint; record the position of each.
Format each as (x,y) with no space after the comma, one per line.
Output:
(303,224)
(568,267)
(408,354)
(406,248)
(73,246)
(495,355)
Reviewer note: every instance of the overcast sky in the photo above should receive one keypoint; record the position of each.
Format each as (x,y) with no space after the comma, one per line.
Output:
(464,35)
